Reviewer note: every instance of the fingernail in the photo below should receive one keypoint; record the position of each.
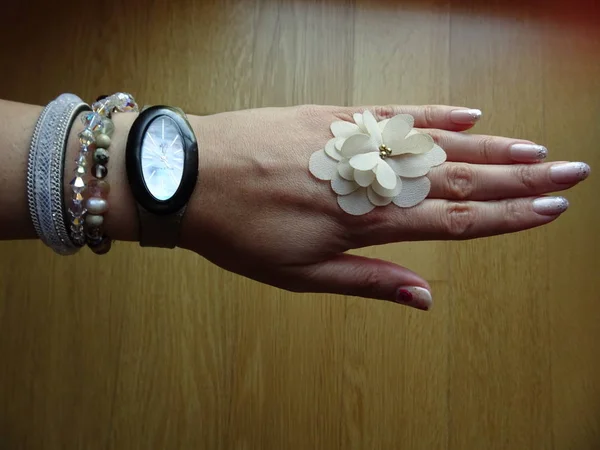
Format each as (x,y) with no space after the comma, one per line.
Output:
(465,116)
(550,206)
(415,297)
(569,172)
(528,152)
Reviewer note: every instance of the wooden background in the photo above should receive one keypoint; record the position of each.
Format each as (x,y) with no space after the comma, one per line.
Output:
(161,350)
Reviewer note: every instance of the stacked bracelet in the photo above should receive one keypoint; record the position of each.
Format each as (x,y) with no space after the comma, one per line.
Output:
(45,172)
(97,133)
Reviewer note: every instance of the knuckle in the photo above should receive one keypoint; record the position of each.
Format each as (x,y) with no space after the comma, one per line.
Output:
(486,148)
(460,181)
(526,176)
(513,213)
(429,115)
(458,219)
(384,112)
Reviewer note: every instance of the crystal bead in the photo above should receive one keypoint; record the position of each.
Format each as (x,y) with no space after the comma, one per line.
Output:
(81,160)
(77,221)
(80,170)
(86,137)
(78,198)
(92,121)
(99,171)
(77,184)
(77,209)
(103,107)
(76,230)
(125,102)
(98,188)
(85,149)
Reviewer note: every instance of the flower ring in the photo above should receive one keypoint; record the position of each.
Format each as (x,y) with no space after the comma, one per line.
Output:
(372,163)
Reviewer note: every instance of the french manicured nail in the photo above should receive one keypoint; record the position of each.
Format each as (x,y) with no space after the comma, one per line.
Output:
(550,206)
(569,172)
(414,296)
(528,152)
(465,116)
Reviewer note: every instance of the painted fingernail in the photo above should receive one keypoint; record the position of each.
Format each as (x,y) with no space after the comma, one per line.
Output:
(528,152)
(415,297)
(550,206)
(569,172)
(465,116)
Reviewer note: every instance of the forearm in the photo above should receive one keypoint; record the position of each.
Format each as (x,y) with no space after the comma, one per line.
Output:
(17,123)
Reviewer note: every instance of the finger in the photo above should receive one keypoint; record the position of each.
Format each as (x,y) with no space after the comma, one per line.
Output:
(452,118)
(459,181)
(370,278)
(455,220)
(478,149)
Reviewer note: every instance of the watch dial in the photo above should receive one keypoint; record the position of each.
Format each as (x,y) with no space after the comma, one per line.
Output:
(162,158)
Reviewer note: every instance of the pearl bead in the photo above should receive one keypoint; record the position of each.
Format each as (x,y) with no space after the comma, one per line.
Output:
(96,205)
(94,220)
(102,140)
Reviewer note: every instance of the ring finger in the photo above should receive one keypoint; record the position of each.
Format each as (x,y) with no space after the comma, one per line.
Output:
(481,149)
(460,181)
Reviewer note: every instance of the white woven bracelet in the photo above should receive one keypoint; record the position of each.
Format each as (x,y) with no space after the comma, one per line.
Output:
(45,172)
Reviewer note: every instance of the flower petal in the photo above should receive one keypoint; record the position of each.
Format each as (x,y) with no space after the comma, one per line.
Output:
(356,144)
(414,191)
(332,151)
(358,118)
(386,176)
(343,129)
(346,171)
(377,199)
(341,186)
(379,189)
(410,120)
(372,127)
(356,203)
(395,131)
(412,166)
(364,178)
(383,123)
(415,142)
(322,166)
(339,142)
(365,161)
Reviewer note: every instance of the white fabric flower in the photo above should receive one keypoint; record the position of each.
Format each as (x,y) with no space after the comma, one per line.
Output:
(374,164)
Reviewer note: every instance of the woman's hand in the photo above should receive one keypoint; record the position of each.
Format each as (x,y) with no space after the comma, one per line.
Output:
(259,212)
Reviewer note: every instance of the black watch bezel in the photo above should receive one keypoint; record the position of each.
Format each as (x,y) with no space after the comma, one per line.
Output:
(133,161)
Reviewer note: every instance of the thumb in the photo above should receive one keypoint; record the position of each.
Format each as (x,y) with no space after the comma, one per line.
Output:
(371,278)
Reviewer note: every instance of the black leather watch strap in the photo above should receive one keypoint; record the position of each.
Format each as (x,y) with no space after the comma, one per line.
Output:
(159,231)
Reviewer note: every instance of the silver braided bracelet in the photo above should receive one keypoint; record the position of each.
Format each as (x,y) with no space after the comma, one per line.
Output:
(45,172)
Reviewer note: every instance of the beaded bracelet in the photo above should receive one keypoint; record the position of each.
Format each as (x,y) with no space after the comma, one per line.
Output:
(97,133)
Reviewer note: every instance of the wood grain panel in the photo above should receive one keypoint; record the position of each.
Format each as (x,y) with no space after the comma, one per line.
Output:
(159,349)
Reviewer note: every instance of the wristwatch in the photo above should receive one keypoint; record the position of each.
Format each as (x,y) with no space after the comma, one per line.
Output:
(162,168)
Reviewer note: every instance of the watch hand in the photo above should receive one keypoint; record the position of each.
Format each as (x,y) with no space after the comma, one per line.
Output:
(163,129)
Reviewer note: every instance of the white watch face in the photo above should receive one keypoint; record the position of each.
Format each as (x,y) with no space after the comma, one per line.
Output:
(162,158)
